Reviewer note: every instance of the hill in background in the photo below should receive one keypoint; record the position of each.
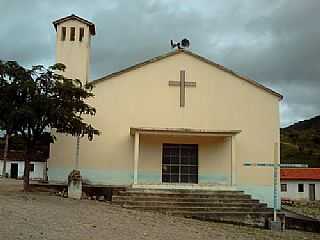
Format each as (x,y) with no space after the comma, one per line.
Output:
(300,142)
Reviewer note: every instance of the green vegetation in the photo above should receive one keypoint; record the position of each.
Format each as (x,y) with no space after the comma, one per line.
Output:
(300,143)
(34,101)
(311,209)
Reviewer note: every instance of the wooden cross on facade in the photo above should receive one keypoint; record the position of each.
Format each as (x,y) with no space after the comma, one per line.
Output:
(182,84)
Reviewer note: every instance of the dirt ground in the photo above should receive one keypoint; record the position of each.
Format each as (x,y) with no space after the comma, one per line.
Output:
(44,216)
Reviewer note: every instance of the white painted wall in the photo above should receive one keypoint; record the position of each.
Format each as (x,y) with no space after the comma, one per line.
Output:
(38,173)
(292,190)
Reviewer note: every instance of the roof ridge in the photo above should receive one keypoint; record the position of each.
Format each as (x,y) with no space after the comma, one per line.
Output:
(172,53)
(135,66)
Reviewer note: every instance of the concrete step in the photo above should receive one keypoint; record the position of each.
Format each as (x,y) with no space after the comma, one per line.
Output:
(256,219)
(188,204)
(211,214)
(195,191)
(169,208)
(224,206)
(217,199)
(189,194)
(182,191)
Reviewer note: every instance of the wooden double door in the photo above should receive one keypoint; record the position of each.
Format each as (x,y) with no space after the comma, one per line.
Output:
(180,163)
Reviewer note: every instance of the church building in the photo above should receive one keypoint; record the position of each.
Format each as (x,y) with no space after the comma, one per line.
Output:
(176,121)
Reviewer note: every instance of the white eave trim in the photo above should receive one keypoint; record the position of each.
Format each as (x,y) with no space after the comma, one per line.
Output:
(182,131)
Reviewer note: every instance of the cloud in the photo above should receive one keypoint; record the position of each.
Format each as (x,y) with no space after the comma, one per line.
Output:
(272,41)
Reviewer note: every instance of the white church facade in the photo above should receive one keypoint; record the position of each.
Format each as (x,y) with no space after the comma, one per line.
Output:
(175,121)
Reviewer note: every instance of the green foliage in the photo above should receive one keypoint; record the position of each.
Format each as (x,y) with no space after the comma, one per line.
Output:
(34,101)
(43,99)
(17,144)
(10,72)
(300,143)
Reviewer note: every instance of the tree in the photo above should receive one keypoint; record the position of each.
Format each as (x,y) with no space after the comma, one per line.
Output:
(9,72)
(47,100)
(5,155)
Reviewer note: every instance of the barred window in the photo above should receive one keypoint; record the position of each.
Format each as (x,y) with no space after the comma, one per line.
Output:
(180,163)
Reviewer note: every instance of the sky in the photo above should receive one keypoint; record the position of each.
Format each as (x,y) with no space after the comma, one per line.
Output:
(275,42)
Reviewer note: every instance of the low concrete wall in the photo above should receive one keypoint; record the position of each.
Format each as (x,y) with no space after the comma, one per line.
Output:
(90,190)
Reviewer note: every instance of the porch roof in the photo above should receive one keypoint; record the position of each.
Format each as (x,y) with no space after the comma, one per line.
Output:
(183,131)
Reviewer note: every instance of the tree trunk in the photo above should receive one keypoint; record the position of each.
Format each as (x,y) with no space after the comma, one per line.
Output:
(26,175)
(5,154)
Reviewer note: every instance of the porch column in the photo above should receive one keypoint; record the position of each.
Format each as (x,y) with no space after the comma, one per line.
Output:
(233,160)
(136,158)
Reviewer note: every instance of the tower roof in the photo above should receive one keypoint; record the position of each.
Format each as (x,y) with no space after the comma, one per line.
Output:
(91,25)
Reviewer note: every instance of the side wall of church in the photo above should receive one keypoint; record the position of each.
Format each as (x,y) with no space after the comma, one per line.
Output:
(142,98)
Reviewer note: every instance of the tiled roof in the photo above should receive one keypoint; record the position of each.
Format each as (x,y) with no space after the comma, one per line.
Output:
(300,174)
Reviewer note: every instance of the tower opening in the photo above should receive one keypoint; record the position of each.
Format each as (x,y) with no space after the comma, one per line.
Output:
(63,33)
(72,33)
(81,34)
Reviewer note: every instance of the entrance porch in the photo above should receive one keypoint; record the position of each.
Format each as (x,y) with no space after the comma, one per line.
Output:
(176,158)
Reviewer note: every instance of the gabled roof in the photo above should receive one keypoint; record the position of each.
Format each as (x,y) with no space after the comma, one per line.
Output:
(300,174)
(203,59)
(74,17)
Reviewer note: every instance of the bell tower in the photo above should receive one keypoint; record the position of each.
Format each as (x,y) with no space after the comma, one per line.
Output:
(73,46)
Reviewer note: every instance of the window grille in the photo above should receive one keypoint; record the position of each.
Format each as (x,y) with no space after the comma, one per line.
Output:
(180,163)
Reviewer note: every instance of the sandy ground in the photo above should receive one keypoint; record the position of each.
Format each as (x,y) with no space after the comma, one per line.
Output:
(44,216)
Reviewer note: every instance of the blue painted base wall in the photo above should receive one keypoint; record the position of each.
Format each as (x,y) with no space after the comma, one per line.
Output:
(125,178)
(263,193)
(214,178)
(150,177)
(154,177)
(92,176)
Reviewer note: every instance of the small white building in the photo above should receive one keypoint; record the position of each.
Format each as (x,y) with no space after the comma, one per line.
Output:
(15,166)
(300,184)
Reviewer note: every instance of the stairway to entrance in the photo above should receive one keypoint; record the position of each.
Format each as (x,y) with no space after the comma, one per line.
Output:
(222,206)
